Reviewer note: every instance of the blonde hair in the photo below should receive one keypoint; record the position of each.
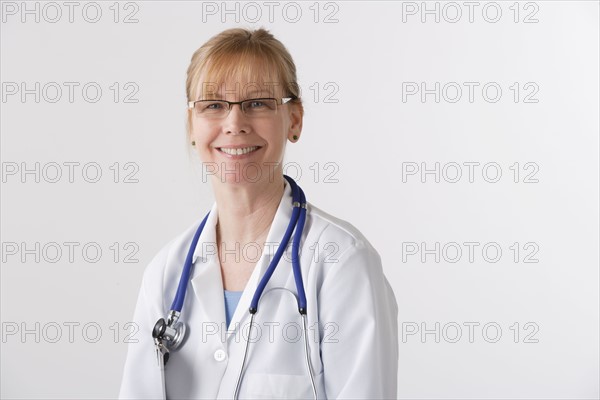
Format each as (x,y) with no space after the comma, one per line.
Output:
(241,55)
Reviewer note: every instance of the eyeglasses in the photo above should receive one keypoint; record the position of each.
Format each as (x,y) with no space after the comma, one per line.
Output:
(251,107)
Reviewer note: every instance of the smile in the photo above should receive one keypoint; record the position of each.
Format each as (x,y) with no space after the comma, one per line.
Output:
(239,151)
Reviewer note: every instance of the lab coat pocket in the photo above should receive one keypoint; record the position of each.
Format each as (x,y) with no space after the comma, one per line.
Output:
(278,386)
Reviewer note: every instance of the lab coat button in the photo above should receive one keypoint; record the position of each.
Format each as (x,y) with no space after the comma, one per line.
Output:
(220,355)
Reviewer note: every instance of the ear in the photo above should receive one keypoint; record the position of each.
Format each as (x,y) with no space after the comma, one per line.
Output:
(296,117)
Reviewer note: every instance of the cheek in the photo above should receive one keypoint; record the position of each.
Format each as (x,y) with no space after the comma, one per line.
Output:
(196,127)
(276,136)
(280,130)
(201,132)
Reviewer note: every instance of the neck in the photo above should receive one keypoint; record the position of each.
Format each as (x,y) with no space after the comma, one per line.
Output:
(245,212)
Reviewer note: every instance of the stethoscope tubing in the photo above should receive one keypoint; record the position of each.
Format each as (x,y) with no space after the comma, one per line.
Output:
(296,252)
(296,222)
(187,270)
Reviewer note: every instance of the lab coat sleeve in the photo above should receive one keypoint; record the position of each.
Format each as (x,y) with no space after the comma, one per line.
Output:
(359,320)
(141,375)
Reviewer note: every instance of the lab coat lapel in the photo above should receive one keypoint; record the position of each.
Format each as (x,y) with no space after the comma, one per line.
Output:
(207,281)
(276,232)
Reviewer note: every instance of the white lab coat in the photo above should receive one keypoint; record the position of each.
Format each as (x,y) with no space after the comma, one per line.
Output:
(352,319)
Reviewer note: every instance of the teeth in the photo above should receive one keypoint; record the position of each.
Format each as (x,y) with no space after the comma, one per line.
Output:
(237,152)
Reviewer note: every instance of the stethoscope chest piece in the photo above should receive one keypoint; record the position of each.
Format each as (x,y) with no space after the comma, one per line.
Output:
(168,335)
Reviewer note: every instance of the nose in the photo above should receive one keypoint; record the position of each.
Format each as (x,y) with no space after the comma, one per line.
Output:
(236,121)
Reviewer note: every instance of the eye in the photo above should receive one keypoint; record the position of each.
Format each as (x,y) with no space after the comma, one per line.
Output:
(261,105)
(212,106)
(256,104)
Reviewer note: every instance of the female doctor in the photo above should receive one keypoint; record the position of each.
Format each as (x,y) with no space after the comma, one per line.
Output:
(324,326)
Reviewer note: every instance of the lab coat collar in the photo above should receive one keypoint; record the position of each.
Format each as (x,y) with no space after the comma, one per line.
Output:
(208,281)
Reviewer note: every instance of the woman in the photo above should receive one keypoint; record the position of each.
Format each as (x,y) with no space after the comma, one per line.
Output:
(350,346)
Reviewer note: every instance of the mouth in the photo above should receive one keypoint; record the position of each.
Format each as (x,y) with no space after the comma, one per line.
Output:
(238,151)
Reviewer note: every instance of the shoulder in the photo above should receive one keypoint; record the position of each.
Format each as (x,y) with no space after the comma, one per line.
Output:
(327,229)
(347,267)
(172,253)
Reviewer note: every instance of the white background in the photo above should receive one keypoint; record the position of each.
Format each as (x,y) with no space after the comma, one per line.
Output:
(368,133)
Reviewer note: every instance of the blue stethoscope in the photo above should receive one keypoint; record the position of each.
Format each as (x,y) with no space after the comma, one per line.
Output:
(168,335)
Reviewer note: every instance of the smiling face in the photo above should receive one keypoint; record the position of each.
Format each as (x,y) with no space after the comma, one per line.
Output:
(244,148)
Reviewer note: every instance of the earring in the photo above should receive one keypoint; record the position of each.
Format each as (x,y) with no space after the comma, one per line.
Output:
(295,137)
(193,143)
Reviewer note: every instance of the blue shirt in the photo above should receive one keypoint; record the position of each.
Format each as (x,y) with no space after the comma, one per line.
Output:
(232,299)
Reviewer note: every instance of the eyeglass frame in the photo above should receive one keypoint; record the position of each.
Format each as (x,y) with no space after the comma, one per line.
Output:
(278,101)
